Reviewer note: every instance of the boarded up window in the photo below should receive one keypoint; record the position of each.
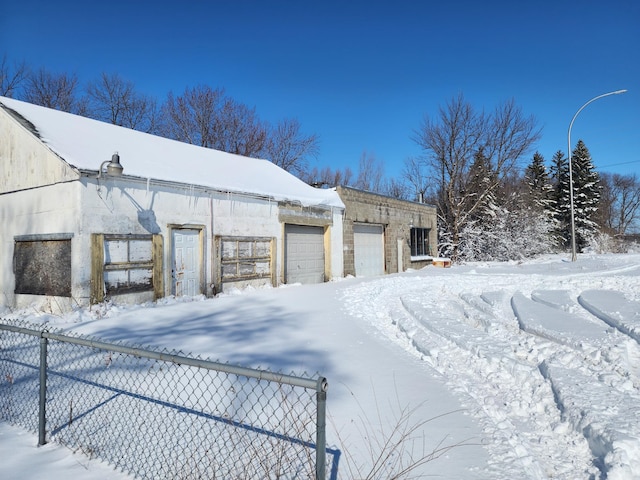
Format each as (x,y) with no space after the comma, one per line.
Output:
(128,281)
(244,258)
(42,265)
(120,251)
(126,264)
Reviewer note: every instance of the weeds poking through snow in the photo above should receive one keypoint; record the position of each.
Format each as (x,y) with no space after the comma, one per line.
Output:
(396,447)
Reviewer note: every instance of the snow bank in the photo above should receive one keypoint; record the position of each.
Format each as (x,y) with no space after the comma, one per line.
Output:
(497,357)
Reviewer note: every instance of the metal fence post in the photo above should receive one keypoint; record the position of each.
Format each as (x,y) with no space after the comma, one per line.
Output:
(42,417)
(321,427)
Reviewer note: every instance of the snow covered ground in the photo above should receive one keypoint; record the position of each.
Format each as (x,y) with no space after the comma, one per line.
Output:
(527,370)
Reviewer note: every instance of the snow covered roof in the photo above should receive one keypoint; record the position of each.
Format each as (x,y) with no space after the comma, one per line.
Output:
(85,143)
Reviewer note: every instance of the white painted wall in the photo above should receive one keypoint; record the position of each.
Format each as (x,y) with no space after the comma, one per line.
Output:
(42,194)
(24,161)
(39,211)
(337,256)
(123,206)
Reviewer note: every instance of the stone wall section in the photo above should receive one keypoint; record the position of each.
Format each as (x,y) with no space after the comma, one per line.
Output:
(396,216)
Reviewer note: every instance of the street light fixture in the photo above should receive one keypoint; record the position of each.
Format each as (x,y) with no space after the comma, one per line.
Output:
(573,221)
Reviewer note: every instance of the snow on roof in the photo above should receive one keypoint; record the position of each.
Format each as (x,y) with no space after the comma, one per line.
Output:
(85,143)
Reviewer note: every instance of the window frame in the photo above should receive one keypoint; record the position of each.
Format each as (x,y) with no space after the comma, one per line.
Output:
(245,261)
(419,243)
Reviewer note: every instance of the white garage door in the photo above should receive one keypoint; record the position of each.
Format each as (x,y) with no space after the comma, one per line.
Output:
(368,250)
(304,254)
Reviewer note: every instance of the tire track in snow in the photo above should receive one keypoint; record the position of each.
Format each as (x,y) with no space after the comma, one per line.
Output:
(605,415)
(594,391)
(519,407)
(380,305)
(609,364)
(616,311)
(597,344)
(556,325)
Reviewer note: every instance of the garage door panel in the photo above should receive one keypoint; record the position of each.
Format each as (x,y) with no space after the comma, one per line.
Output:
(368,247)
(304,254)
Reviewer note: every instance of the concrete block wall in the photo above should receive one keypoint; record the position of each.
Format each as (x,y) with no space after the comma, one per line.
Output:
(396,216)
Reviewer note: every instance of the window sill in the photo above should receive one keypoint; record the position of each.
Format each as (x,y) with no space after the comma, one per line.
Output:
(421,258)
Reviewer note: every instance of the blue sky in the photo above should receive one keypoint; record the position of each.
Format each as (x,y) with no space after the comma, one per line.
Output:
(362,75)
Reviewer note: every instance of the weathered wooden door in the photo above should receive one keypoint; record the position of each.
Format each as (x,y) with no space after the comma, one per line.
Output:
(186,262)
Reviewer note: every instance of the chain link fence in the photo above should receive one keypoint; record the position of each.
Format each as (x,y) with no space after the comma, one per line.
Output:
(156,414)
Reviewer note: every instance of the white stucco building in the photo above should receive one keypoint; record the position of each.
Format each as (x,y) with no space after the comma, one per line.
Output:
(177,220)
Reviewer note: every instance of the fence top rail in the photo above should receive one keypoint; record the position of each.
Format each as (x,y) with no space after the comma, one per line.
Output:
(319,384)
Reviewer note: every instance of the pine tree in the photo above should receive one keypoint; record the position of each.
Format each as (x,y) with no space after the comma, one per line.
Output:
(480,193)
(481,209)
(561,203)
(539,192)
(586,195)
(538,207)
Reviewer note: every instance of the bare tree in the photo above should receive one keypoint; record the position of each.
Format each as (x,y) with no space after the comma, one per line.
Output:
(115,100)
(399,189)
(509,137)
(452,141)
(415,176)
(289,148)
(370,174)
(370,177)
(241,131)
(326,177)
(12,76)
(619,208)
(208,117)
(193,116)
(54,91)
(627,189)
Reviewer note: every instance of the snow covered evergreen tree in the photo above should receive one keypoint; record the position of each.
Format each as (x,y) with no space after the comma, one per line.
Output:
(586,195)
(538,205)
(508,223)
(561,205)
(480,201)
(476,239)
(539,193)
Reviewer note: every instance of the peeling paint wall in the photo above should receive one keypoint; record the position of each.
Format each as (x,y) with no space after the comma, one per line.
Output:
(41,194)
(116,205)
(43,211)
(25,162)
(134,207)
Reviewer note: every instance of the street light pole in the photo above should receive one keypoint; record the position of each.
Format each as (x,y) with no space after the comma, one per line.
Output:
(573,221)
